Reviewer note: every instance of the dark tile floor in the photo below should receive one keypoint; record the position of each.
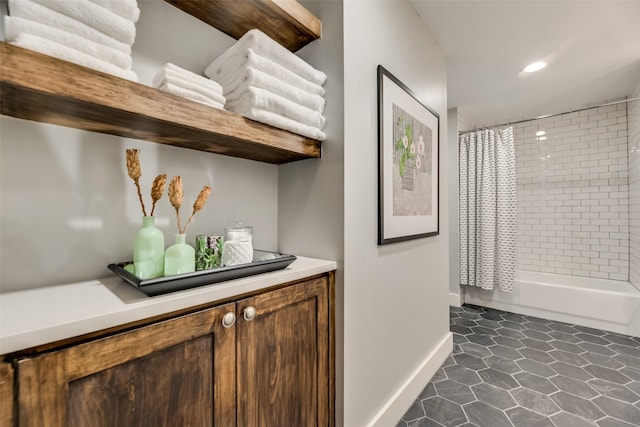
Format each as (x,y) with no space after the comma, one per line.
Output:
(507,369)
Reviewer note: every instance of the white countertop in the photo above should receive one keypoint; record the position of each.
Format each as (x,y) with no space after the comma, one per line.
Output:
(39,316)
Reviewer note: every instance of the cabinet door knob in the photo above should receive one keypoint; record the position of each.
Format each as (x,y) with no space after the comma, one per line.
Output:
(229,319)
(249,313)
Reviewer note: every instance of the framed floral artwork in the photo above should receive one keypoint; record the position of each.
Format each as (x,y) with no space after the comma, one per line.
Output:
(408,167)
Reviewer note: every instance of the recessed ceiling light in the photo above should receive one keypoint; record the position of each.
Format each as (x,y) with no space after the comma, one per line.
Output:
(536,66)
(540,133)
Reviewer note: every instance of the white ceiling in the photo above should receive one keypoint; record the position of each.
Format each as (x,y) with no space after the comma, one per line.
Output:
(592,48)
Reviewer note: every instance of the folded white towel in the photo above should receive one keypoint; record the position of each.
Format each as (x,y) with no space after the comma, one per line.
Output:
(234,77)
(51,48)
(27,9)
(94,16)
(265,46)
(259,79)
(166,77)
(13,26)
(260,98)
(189,94)
(128,9)
(191,76)
(278,121)
(177,82)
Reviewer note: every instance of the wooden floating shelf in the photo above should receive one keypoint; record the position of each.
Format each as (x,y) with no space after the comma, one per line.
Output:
(46,89)
(285,21)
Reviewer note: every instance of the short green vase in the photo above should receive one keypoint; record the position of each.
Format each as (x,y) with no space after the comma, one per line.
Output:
(148,250)
(180,257)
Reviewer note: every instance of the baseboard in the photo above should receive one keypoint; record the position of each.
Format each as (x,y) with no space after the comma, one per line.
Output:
(454,300)
(402,399)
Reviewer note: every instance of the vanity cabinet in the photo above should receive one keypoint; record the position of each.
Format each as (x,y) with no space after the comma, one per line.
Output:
(261,360)
(178,372)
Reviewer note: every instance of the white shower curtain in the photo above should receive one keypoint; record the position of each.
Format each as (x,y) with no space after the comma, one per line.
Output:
(488,209)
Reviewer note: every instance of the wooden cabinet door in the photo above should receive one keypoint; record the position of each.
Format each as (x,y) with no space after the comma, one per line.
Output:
(6,395)
(283,357)
(178,372)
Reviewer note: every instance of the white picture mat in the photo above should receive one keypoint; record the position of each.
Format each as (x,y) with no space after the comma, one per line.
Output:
(399,226)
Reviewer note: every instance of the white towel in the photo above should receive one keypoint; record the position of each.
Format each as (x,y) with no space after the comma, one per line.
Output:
(260,98)
(128,9)
(278,121)
(234,77)
(169,76)
(259,79)
(189,94)
(94,16)
(51,48)
(195,78)
(265,46)
(27,9)
(13,26)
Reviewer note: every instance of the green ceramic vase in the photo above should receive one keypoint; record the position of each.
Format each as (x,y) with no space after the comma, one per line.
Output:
(148,250)
(180,257)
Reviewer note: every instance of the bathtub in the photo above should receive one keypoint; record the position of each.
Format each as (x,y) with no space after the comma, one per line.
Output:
(597,303)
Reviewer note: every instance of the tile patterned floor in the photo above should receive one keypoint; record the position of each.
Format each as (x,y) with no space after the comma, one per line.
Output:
(508,370)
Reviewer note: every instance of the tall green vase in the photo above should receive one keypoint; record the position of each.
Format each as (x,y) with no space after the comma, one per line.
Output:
(148,250)
(180,257)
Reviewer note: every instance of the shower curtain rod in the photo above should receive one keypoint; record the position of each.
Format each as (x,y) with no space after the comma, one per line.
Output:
(549,115)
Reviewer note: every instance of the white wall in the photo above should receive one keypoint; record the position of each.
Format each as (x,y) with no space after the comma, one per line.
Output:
(395,296)
(454,188)
(573,200)
(633,112)
(68,208)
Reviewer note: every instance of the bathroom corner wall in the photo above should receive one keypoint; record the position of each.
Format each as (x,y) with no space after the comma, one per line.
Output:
(633,114)
(573,200)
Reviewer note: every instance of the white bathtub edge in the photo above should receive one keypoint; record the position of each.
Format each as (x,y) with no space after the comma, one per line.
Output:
(616,311)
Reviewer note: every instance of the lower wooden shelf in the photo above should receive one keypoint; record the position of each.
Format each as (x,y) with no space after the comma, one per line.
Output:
(38,87)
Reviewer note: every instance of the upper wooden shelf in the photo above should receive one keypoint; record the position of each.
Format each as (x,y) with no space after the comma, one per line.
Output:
(285,21)
(46,89)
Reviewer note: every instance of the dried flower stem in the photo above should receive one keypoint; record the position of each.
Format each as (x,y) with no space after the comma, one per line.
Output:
(176,195)
(157,189)
(199,204)
(134,171)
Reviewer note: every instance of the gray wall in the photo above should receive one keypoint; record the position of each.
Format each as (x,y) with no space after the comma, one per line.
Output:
(395,296)
(68,208)
(311,192)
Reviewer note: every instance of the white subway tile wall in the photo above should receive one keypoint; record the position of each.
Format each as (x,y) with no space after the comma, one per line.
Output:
(633,112)
(573,194)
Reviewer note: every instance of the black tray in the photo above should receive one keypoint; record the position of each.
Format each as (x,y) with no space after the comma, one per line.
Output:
(263,262)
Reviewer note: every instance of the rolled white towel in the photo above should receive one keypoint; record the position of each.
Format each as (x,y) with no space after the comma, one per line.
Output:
(265,46)
(27,9)
(278,121)
(168,75)
(234,77)
(259,79)
(189,94)
(128,9)
(13,26)
(260,98)
(96,17)
(51,48)
(196,78)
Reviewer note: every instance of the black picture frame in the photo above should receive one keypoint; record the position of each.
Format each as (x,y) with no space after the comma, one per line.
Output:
(408,163)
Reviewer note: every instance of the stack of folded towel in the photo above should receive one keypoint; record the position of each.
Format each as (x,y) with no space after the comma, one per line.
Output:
(178,81)
(97,34)
(264,81)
